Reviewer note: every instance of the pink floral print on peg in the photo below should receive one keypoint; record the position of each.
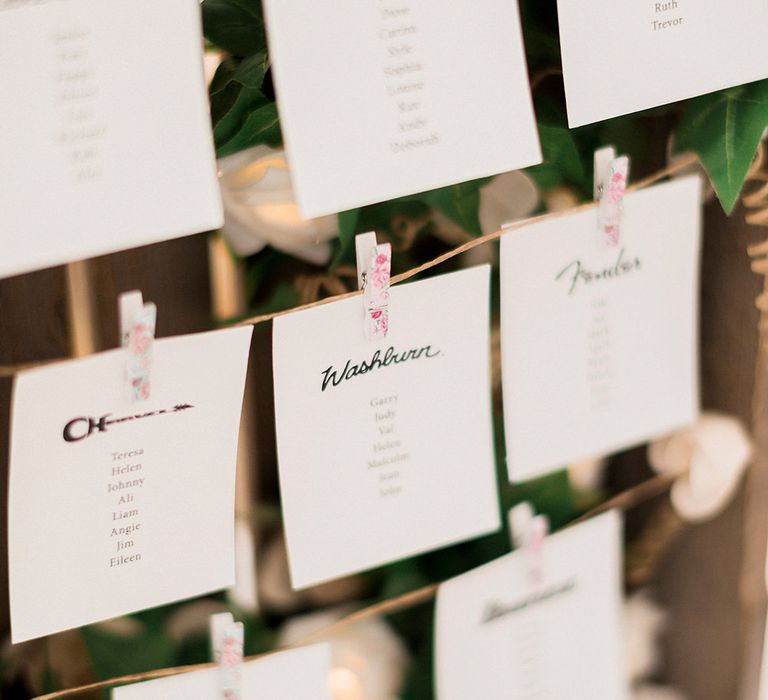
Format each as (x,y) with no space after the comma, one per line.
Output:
(139,354)
(611,206)
(376,292)
(230,662)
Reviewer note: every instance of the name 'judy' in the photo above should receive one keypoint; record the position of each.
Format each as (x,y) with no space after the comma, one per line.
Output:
(577,273)
(334,377)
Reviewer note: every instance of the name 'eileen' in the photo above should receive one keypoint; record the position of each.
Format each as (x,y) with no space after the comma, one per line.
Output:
(578,274)
(334,377)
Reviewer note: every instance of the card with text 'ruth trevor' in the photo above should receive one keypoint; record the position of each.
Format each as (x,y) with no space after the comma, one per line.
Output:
(368,102)
(296,674)
(107,498)
(544,625)
(385,447)
(599,342)
(622,57)
(103,146)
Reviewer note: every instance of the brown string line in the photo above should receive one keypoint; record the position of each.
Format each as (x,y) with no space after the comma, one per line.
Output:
(646,490)
(655,486)
(689,160)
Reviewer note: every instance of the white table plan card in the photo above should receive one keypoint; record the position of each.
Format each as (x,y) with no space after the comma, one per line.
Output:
(385,447)
(296,674)
(368,98)
(544,625)
(600,343)
(622,57)
(114,507)
(106,141)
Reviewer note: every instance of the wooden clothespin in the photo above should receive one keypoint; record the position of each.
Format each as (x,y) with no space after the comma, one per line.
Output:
(227,651)
(137,337)
(611,174)
(528,532)
(374,266)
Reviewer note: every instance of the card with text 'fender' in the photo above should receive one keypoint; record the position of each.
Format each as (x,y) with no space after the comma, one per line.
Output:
(113,506)
(296,674)
(368,102)
(599,343)
(385,447)
(103,146)
(544,625)
(622,57)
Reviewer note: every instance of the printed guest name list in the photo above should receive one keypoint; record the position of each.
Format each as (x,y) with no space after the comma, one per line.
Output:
(125,486)
(405,77)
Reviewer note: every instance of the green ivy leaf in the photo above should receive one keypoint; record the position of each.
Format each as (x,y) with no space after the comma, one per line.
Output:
(224,93)
(561,159)
(724,129)
(248,73)
(347,230)
(113,655)
(237,26)
(262,126)
(252,70)
(460,203)
(251,120)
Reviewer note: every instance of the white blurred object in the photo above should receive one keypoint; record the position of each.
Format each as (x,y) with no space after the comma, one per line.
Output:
(274,579)
(211,61)
(507,198)
(260,208)
(274,583)
(193,619)
(649,691)
(561,198)
(368,659)
(711,456)
(587,474)
(244,593)
(122,626)
(644,621)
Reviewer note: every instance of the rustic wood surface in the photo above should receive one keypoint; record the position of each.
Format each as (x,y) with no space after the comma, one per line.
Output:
(714,631)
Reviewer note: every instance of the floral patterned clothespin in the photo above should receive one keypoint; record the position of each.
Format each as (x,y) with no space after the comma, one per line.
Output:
(611,175)
(374,265)
(137,336)
(376,292)
(227,637)
(528,532)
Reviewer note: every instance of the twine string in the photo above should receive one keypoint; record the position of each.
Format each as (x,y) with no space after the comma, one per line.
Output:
(681,164)
(625,500)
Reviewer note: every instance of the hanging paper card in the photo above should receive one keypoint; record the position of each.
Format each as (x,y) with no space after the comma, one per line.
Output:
(385,448)
(503,633)
(369,102)
(599,343)
(297,674)
(104,145)
(106,499)
(622,57)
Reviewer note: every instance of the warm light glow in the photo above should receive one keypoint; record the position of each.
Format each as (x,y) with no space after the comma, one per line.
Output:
(345,685)
(255,171)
